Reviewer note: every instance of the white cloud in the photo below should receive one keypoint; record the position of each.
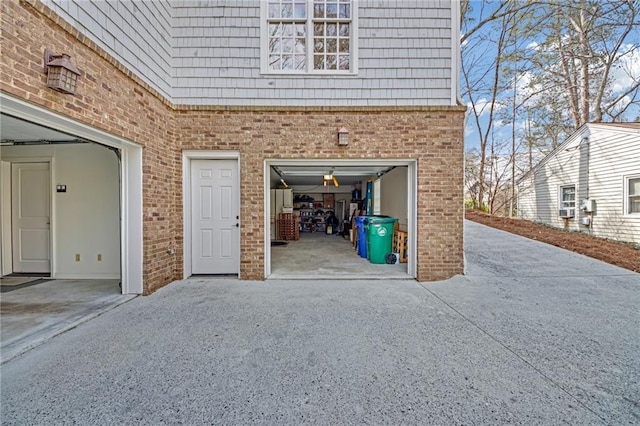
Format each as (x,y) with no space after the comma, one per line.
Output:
(629,68)
(533,45)
(483,106)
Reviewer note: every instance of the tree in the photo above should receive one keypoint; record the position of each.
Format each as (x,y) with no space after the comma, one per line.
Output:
(579,47)
(482,59)
(538,70)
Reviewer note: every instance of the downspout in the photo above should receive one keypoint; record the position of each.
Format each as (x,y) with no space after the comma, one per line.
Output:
(585,144)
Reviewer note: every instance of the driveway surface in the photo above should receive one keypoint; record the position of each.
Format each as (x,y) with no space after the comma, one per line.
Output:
(532,334)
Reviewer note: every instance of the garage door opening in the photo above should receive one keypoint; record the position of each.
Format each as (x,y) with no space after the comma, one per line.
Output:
(315,219)
(61,206)
(71,200)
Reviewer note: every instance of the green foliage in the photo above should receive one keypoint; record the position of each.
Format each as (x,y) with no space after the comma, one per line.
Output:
(471,204)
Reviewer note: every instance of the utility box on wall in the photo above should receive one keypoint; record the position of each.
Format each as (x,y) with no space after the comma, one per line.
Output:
(588,206)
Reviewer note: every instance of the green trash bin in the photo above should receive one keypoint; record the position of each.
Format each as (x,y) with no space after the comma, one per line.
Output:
(379,238)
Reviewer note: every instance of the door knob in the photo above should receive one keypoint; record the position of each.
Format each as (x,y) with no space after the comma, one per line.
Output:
(237,225)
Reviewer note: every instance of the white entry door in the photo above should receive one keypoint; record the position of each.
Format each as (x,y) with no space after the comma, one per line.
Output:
(215,241)
(30,201)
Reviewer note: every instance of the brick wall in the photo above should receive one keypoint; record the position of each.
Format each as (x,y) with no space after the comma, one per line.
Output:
(433,136)
(111,98)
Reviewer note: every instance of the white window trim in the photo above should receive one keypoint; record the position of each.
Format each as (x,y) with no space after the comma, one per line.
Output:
(560,201)
(627,195)
(264,41)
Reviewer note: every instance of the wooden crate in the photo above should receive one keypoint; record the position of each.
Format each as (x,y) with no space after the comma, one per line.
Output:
(400,245)
(288,227)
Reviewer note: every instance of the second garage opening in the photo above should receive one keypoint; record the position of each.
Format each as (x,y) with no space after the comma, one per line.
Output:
(340,219)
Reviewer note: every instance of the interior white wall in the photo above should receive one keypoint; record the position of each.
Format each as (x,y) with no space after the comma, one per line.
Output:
(85,219)
(393,195)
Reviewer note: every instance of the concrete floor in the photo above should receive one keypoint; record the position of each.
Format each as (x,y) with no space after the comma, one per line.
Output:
(32,315)
(320,256)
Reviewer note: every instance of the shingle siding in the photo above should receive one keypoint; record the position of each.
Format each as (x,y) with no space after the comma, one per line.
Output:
(137,33)
(208,52)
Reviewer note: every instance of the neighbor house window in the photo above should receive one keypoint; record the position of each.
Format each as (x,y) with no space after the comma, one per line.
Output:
(567,201)
(633,195)
(308,36)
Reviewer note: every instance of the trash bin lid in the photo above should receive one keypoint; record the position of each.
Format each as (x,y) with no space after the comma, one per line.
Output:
(369,219)
(377,220)
(360,219)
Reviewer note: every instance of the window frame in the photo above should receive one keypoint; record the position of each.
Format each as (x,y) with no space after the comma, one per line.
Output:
(264,43)
(561,201)
(627,195)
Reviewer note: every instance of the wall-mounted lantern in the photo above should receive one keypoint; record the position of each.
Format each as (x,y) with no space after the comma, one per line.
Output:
(343,136)
(62,75)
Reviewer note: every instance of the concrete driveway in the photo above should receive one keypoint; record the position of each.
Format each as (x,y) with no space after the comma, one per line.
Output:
(532,335)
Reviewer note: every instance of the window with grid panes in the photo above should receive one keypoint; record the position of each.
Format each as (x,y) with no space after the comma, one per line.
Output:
(307,36)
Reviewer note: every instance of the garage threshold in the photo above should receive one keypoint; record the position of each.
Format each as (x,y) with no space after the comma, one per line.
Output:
(345,277)
(329,257)
(33,315)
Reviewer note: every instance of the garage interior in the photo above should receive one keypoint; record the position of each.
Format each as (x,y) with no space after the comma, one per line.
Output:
(313,208)
(61,261)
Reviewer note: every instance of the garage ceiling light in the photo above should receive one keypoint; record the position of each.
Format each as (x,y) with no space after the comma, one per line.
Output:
(327,179)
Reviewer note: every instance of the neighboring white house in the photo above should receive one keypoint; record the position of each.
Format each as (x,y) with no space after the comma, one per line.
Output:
(590,183)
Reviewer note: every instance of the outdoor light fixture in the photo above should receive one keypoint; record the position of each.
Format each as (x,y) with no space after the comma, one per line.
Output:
(62,75)
(343,136)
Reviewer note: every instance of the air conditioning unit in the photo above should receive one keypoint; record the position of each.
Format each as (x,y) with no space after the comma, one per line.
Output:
(566,213)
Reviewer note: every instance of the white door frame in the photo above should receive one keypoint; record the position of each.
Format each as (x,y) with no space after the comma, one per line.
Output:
(412,199)
(131,247)
(187,156)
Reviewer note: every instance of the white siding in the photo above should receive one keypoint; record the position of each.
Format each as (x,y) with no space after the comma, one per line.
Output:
(527,207)
(136,33)
(207,52)
(614,155)
(611,154)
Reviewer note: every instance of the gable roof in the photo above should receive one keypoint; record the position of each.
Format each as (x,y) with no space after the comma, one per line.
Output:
(621,125)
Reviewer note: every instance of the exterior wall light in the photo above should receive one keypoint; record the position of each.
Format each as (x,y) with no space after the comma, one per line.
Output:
(62,75)
(343,136)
